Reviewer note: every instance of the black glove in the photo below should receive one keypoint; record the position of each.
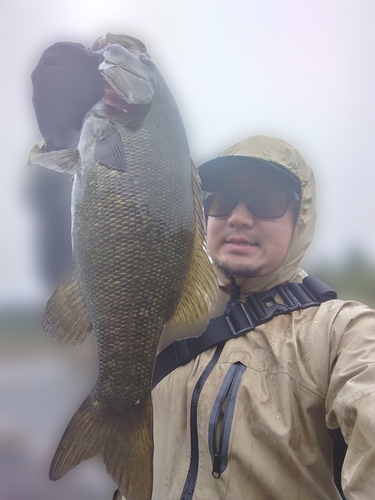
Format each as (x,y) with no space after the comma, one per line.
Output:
(66,84)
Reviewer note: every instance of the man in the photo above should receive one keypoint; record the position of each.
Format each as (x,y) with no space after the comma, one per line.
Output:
(249,418)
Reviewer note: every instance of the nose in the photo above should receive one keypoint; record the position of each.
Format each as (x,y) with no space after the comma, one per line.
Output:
(240,216)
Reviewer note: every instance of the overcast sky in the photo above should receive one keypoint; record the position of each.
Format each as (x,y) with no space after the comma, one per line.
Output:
(303,71)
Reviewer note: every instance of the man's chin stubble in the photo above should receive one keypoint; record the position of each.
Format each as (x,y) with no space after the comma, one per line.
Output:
(239,270)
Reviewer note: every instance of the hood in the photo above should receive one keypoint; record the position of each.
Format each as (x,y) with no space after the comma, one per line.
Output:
(274,150)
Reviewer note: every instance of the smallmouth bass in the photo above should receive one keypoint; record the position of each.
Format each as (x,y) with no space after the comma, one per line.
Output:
(139,258)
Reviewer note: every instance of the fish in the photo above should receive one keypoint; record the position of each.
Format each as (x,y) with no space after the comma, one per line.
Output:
(139,255)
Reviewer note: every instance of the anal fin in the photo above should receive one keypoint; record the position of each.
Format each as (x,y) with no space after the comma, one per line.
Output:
(65,317)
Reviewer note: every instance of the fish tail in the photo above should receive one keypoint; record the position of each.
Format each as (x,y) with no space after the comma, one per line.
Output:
(126,447)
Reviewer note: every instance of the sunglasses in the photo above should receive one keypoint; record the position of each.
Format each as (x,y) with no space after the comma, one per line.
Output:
(263,202)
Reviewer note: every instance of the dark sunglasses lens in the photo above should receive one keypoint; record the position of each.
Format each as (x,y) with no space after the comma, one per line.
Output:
(268,203)
(219,204)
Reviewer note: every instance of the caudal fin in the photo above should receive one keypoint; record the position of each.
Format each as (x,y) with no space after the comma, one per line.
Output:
(126,447)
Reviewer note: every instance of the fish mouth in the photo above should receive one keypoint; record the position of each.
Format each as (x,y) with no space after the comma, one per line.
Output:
(115,104)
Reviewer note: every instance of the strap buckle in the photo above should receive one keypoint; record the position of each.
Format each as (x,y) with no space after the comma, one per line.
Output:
(238,319)
(263,306)
(259,308)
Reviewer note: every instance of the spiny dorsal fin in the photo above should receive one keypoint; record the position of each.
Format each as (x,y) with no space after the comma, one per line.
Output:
(200,287)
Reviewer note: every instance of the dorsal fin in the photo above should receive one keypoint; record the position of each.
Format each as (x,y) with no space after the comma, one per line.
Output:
(200,288)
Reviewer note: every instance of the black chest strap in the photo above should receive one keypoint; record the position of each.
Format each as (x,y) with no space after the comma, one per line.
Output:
(240,318)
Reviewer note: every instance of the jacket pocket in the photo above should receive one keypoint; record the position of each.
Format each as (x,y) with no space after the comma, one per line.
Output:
(221,418)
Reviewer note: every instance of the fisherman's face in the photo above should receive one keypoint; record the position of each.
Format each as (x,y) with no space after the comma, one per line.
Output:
(243,244)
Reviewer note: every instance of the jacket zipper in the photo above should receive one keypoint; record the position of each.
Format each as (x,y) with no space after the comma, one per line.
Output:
(191,478)
(222,417)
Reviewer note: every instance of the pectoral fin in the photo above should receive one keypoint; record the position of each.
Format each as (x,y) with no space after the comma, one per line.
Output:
(64,160)
(108,149)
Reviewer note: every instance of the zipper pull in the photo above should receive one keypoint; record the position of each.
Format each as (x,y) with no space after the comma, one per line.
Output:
(235,293)
(217,463)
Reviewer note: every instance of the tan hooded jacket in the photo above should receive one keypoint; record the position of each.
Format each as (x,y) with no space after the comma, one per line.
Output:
(274,392)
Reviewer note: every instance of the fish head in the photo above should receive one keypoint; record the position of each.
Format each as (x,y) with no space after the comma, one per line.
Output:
(130,75)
